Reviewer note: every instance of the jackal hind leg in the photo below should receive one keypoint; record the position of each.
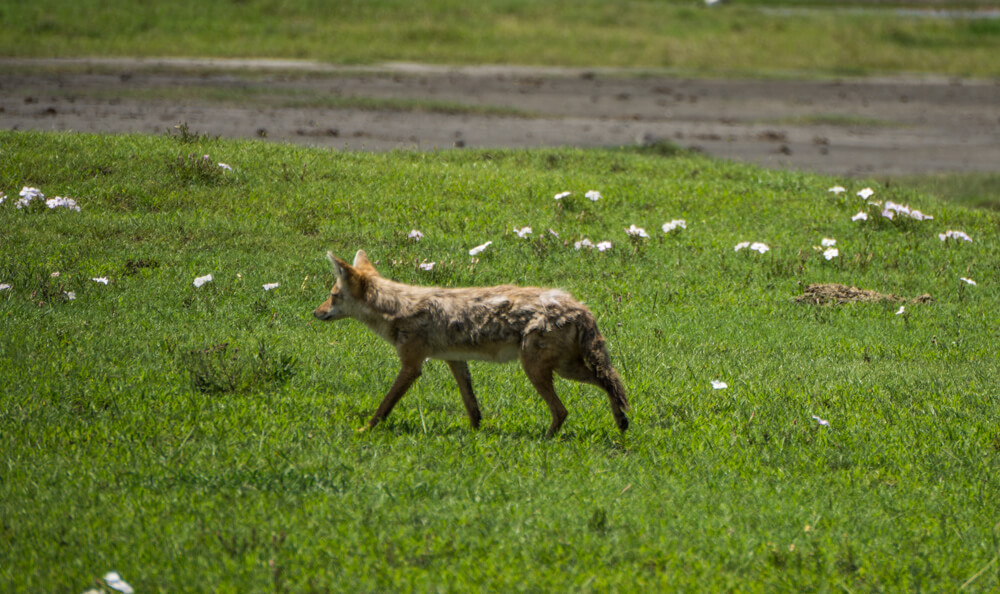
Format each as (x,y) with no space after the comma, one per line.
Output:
(539,372)
(412,361)
(460,369)
(575,369)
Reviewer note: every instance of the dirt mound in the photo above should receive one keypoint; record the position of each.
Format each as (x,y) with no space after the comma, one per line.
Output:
(827,293)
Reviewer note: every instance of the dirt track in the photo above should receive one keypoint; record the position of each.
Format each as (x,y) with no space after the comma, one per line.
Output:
(850,127)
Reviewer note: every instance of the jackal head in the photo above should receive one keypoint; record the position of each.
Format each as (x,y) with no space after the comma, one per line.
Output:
(347,295)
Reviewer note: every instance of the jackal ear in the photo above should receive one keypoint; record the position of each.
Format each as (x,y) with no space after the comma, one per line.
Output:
(363,264)
(340,268)
(354,280)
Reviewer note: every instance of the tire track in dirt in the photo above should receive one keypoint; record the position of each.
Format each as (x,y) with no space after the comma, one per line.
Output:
(847,127)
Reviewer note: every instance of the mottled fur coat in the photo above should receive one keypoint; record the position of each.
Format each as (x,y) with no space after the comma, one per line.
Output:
(547,329)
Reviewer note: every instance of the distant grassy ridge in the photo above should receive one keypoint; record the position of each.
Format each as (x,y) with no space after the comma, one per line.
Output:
(734,38)
(204,438)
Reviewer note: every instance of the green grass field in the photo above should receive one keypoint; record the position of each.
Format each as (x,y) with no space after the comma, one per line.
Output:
(976,190)
(773,38)
(203,439)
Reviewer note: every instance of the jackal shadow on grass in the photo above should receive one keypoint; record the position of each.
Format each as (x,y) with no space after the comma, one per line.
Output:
(490,430)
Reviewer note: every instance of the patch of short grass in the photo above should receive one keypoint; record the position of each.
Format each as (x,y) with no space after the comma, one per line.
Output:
(204,438)
(977,190)
(250,95)
(836,119)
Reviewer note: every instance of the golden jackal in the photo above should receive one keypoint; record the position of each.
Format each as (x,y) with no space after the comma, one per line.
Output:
(548,329)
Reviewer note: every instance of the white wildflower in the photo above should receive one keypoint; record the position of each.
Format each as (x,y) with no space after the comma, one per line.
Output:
(949,234)
(562,195)
(636,231)
(64,202)
(831,253)
(968,281)
(100,279)
(4,286)
(741,245)
(2,197)
(674,224)
(719,385)
(760,247)
(837,190)
(70,295)
(593,195)
(822,422)
(428,266)
(866,193)
(415,235)
(828,242)
(225,167)
(479,248)
(903,209)
(201,280)
(583,243)
(861,216)
(603,246)
(900,311)
(28,194)
(270,286)
(115,582)
(523,231)
(55,274)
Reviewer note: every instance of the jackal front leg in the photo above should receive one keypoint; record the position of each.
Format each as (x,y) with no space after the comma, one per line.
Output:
(540,375)
(412,360)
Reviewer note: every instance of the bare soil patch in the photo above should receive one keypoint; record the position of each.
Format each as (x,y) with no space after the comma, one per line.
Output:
(848,127)
(833,293)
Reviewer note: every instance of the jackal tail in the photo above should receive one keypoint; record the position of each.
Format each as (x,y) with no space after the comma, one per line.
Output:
(595,355)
